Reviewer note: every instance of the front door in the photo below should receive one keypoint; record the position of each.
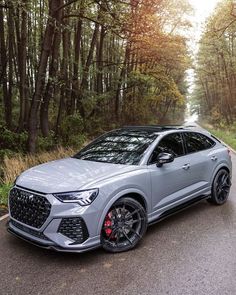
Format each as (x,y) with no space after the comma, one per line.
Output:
(169,182)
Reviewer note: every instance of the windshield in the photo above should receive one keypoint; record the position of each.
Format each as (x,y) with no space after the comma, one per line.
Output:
(124,146)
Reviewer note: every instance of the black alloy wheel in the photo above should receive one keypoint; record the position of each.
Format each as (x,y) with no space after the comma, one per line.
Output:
(220,187)
(124,225)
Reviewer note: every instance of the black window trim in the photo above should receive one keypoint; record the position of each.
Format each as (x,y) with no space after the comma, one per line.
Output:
(185,145)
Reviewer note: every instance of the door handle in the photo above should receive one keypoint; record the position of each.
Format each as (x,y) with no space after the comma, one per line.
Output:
(213,158)
(186,166)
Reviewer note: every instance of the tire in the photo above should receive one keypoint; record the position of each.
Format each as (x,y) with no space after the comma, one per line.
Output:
(220,188)
(124,226)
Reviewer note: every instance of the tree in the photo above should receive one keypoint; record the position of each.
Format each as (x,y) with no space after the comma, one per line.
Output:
(54,10)
(216,67)
(100,63)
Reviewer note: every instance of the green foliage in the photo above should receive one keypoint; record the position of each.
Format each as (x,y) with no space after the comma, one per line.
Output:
(228,135)
(72,124)
(76,141)
(214,95)
(72,131)
(4,190)
(110,64)
(11,141)
(156,94)
(46,143)
(5,152)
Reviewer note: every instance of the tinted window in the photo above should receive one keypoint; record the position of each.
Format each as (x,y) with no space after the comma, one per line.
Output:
(172,144)
(122,146)
(197,142)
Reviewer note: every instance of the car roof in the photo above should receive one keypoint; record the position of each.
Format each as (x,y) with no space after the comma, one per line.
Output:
(166,129)
(156,128)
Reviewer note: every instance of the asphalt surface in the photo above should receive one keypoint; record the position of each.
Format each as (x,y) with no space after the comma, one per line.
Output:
(192,252)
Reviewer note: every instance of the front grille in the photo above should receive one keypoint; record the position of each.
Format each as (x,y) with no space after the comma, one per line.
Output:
(29,230)
(74,228)
(29,208)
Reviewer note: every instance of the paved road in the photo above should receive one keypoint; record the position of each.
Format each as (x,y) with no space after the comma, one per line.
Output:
(192,252)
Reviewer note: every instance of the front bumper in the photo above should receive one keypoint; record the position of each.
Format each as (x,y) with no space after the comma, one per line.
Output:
(60,231)
(49,245)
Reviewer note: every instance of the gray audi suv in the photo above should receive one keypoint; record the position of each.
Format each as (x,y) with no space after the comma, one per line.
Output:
(109,192)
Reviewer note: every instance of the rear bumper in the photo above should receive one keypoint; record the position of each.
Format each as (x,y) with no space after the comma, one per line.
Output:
(46,243)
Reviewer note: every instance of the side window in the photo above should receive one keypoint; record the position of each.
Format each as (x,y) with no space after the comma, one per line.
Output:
(208,141)
(172,144)
(196,142)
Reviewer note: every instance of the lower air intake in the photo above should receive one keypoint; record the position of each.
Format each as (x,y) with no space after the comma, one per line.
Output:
(74,228)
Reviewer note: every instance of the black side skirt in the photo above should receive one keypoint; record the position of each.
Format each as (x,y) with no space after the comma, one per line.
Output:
(178,208)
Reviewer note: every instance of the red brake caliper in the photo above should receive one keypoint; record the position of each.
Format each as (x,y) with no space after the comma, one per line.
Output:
(108,223)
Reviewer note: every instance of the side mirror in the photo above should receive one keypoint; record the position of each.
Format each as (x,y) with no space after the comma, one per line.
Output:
(164,158)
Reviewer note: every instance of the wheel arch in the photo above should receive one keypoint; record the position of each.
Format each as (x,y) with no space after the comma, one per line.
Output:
(218,168)
(135,194)
(215,197)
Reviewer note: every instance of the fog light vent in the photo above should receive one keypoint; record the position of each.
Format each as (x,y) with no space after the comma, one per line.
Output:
(74,228)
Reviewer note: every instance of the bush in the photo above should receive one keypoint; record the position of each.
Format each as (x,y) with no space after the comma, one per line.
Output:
(72,124)
(72,131)
(6,152)
(16,142)
(46,143)
(76,141)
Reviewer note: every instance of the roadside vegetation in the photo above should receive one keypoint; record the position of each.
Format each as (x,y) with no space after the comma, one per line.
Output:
(226,134)
(72,68)
(214,96)
(12,166)
(4,189)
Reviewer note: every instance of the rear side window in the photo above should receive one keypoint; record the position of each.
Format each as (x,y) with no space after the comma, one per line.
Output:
(196,142)
(172,144)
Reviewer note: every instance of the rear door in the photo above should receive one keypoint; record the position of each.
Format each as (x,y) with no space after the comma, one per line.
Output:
(201,158)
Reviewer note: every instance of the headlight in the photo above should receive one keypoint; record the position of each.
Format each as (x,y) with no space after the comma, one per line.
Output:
(84,198)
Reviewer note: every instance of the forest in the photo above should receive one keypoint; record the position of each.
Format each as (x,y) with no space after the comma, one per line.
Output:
(71,69)
(214,97)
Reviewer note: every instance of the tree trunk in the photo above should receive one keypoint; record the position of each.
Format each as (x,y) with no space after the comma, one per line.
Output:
(120,82)
(10,62)
(75,81)
(64,79)
(22,55)
(4,78)
(100,61)
(84,82)
(40,80)
(53,68)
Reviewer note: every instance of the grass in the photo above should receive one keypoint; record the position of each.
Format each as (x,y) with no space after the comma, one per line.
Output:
(12,167)
(4,190)
(225,134)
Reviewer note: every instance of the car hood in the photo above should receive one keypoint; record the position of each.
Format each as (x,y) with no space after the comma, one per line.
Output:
(68,174)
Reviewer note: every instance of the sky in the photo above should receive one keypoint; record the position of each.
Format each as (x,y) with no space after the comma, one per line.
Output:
(202,9)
